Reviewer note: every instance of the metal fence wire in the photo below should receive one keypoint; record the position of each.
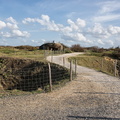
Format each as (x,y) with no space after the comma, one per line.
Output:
(109,66)
(28,75)
(118,67)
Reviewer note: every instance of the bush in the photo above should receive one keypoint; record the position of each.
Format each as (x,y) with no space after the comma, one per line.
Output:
(26,47)
(114,55)
(67,51)
(77,48)
(97,49)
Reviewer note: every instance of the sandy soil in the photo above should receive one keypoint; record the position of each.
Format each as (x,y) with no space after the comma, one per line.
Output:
(91,96)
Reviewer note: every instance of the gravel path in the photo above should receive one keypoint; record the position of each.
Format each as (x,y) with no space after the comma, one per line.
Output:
(92,96)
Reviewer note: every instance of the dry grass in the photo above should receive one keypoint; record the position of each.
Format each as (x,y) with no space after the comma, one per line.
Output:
(95,62)
(10,56)
(16,53)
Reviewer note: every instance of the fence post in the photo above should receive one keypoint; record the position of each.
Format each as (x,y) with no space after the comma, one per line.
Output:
(71,70)
(45,54)
(102,65)
(51,56)
(50,78)
(75,67)
(115,68)
(63,61)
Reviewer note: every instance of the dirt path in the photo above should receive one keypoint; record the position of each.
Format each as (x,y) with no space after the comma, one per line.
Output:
(92,96)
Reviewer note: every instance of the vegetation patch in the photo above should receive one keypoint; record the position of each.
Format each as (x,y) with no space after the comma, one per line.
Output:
(27,75)
(97,63)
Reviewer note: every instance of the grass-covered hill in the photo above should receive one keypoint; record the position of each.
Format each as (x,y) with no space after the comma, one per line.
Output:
(29,75)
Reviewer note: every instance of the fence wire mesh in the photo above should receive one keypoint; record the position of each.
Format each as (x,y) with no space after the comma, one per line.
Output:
(109,66)
(24,75)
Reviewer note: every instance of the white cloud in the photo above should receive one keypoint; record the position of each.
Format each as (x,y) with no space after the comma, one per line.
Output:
(66,29)
(72,24)
(105,18)
(71,15)
(109,11)
(2,24)
(15,33)
(45,21)
(98,31)
(10,19)
(109,6)
(12,29)
(79,37)
(41,41)
(76,25)
(74,37)
(110,43)
(77,31)
(18,33)
(46,18)
(71,32)
(100,42)
(7,35)
(81,22)
(114,30)
(12,26)
(102,35)
(26,20)
(97,28)
(33,40)
(52,26)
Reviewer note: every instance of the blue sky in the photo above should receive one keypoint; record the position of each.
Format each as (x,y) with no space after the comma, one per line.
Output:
(84,22)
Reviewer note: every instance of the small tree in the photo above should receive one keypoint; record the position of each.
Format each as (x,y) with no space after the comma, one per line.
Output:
(77,48)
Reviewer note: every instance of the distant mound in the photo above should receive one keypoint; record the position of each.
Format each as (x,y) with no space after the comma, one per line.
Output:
(53,46)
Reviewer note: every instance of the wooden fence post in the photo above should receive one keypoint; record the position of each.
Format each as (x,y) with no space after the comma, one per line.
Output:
(45,54)
(63,61)
(51,56)
(75,67)
(71,70)
(102,65)
(115,68)
(50,78)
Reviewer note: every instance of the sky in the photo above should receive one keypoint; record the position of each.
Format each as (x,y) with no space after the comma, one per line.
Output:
(85,22)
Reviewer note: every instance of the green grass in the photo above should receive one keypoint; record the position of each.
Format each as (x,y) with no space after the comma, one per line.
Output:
(16,92)
(25,54)
(38,55)
(56,85)
(89,53)
(95,62)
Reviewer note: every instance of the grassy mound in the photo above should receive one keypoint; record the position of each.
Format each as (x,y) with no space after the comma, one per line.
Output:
(28,75)
(98,63)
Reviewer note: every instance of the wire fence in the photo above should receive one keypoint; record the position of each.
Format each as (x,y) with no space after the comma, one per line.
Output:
(118,68)
(109,66)
(24,76)
(103,64)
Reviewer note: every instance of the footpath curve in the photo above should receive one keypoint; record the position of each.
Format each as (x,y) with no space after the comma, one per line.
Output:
(91,96)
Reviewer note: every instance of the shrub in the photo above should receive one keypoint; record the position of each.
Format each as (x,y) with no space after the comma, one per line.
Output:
(97,49)
(67,51)
(114,55)
(26,47)
(77,48)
